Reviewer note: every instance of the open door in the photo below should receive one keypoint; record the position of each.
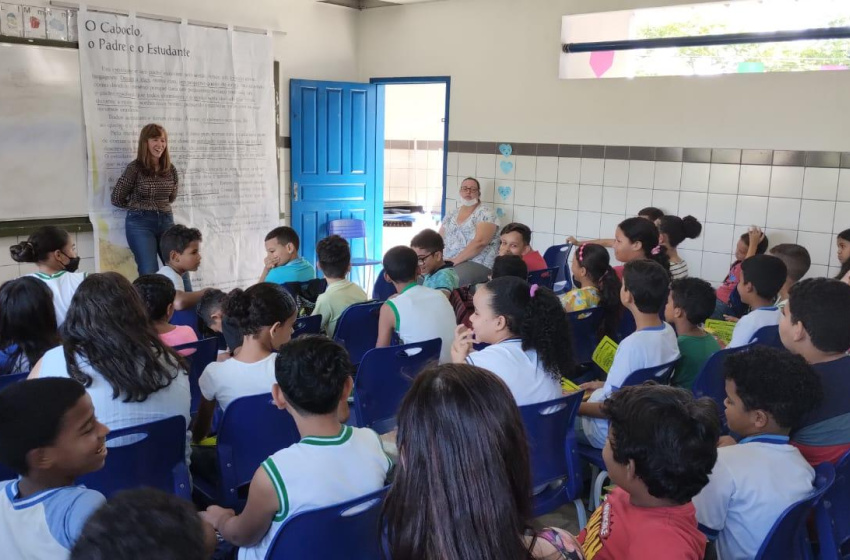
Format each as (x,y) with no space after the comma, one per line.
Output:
(337,133)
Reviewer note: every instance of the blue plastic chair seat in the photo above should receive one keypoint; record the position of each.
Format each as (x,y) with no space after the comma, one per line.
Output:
(6,380)
(206,352)
(311,324)
(382,290)
(768,336)
(357,329)
(545,277)
(711,383)
(150,455)
(585,330)
(832,515)
(187,317)
(557,256)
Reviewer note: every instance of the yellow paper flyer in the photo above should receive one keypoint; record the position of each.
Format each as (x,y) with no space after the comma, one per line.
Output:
(721,329)
(603,356)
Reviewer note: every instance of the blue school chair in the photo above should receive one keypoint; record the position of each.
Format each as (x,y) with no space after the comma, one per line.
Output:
(206,352)
(788,537)
(384,376)
(768,336)
(357,329)
(251,429)
(832,515)
(6,380)
(585,330)
(350,530)
(557,256)
(627,325)
(350,230)
(187,317)
(554,454)
(711,383)
(661,375)
(545,277)
(149,455)
(382,289)
(312,324)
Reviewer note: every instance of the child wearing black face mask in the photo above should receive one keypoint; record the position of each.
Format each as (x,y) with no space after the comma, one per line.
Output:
(595,285)
(55,253)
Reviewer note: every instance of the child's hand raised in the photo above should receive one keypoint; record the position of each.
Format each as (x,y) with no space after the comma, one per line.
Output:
(462,344)
(756,235)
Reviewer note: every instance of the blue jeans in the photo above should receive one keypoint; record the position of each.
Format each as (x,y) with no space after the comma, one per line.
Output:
(144,228)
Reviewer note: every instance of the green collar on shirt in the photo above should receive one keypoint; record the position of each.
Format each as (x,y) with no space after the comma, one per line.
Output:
(411,285)
(343,436)
(44,276)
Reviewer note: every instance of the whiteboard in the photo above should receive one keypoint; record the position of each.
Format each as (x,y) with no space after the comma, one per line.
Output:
(43,167)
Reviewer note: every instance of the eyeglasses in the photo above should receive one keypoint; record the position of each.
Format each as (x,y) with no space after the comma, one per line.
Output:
(423,257)
(468,189)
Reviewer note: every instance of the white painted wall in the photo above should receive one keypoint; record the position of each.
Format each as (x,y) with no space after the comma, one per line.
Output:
(502,56)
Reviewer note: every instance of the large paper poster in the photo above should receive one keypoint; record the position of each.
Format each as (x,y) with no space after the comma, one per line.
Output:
(213,91)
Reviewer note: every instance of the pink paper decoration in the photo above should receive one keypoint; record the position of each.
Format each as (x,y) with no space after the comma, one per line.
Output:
(601,62)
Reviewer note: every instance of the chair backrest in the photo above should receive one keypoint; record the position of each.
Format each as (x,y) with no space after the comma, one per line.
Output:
(768,336)
(251,429)
(627,325)
(312,324)
(787,538)
(382,289)
(660,374)
(557,256)
(357,328)
(349,530)
(6,380)
(384,376)
(152,454)
(206,352)
(347,229)
(711,383)
(187,317)
(585,328)
(832,513)
(545,277)
(551,440)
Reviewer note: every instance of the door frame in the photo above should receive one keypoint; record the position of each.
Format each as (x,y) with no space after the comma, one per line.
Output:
(427,80)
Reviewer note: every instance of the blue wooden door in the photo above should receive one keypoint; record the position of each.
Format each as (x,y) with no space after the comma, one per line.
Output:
(337,133)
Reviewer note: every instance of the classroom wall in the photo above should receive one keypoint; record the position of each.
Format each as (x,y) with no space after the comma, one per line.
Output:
(579,167)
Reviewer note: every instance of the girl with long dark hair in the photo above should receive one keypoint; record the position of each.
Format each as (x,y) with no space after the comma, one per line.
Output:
(638,238)
(596,285)
(27,324)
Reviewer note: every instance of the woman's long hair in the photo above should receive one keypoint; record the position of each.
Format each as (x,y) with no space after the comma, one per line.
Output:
(641,229)
(146,158)
(462,490)
(27,320)
(108,328)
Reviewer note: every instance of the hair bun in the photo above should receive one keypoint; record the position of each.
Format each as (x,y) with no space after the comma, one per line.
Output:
(23,252)
(237,305)
(692,227)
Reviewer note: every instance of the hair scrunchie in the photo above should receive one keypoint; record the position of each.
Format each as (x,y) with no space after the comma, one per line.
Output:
(533,290)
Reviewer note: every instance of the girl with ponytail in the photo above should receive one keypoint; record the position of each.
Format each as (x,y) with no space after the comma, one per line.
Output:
(674,230)
(843,242)
(530,344)
(596,285)
(637,239)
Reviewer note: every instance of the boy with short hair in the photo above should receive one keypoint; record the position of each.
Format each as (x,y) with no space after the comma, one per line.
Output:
(181,253)
(145,523)
(815,324)
(753,482)
(689,305)
(461,297)
(659,452)
(211,313)
(282,263)
(417,313)
(762,276)
(332,463)
(49,436)
(516,240)
(157,293)
(435,272)
(334,256)
(797,261)
(644,293)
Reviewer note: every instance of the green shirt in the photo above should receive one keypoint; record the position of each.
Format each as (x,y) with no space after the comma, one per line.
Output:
(695,351)
(336,299)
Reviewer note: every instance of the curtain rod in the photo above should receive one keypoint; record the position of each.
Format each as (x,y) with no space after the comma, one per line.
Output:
(710,40)
(154,17)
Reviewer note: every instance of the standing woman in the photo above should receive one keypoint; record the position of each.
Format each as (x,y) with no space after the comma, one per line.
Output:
(470,234)
(147,189)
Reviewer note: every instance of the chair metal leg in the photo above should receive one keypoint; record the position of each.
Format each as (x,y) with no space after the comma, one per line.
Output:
(581,513)
(598,483)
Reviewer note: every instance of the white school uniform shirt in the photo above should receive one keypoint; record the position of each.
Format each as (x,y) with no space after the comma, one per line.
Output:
(63,284)
(751,484)
(46,525)
(750,323)
(642,349)
(172,275)
(114,413)
(422,314)
(322,471)
(520,369)
(226,381)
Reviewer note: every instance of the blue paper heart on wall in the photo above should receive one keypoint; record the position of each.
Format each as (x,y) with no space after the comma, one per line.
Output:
(500,212)
(506,149)
(504,191)
(506,166)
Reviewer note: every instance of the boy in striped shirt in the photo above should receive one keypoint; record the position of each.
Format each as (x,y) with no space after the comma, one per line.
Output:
(332,463)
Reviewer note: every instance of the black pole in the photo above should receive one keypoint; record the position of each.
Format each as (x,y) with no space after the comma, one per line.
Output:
(711,40)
